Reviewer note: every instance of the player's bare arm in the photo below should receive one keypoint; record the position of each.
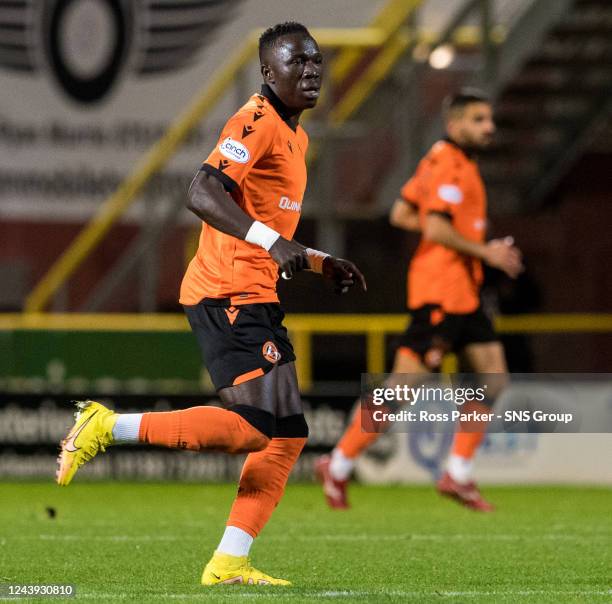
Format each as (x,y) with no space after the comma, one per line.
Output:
(209,201)
(404,215)
(498,253)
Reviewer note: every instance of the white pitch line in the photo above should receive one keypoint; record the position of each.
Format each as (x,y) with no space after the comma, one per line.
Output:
(443,537)
(331,537)
(288,594)
(118,538)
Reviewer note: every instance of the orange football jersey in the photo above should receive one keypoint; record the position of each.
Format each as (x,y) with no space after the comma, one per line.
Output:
(261,161)
(447,181)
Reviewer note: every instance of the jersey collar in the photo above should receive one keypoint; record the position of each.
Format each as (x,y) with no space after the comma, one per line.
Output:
(467,152)
(279,106)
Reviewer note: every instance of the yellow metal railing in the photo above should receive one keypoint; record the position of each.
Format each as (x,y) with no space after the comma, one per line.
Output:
(392,16)
(304,326)
(398,41)
(390,20)
(375,73)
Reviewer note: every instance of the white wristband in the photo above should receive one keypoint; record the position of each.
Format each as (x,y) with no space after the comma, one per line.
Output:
(262,235)
(315,259)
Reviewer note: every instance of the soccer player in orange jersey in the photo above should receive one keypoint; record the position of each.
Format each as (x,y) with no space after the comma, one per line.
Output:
(445,200)
(248,194)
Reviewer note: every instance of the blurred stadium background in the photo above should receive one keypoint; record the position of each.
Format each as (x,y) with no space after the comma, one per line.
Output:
(109,106)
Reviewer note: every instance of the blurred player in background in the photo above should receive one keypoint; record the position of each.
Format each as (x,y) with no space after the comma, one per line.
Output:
(249,196)
(445,200)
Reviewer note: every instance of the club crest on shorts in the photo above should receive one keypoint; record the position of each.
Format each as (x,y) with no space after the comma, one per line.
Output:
(270,352)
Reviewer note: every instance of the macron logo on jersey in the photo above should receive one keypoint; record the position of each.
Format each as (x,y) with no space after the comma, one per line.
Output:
(286,204)
(234,150)
(450,194)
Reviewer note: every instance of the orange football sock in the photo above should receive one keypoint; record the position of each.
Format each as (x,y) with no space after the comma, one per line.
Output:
(354,441)
(201,428)
(470,433)
(262,483)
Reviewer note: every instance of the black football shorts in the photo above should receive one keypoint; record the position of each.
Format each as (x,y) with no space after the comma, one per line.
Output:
(433,332)
(239,343)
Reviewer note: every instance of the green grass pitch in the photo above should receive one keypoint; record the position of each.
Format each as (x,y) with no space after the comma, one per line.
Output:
(148,542)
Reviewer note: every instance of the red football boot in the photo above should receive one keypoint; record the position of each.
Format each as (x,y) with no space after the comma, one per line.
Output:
(466,494)
(335,490)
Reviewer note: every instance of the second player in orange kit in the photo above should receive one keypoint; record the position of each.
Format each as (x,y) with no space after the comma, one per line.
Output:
(445,200)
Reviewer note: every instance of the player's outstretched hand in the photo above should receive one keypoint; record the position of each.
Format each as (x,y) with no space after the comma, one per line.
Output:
(504,255)
(343,273)
(290,256)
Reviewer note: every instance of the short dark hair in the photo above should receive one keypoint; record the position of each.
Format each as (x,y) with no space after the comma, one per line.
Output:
(272,34)
(458,101)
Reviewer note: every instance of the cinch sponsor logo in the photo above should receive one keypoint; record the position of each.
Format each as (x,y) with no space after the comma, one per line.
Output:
(234,150)
(286,204)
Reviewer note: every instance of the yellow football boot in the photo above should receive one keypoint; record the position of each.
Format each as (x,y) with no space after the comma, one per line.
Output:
(91,433)
(224,569)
